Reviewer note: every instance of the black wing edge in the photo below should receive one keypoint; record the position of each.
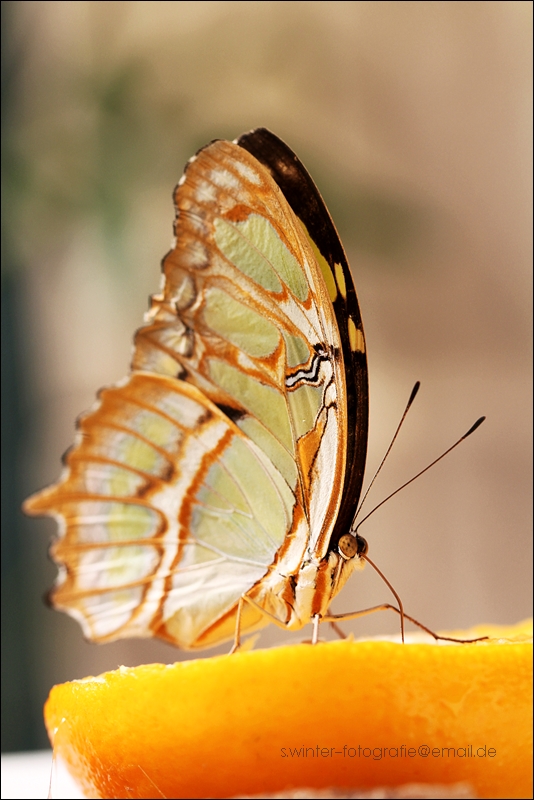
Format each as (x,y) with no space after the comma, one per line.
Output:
(305,200)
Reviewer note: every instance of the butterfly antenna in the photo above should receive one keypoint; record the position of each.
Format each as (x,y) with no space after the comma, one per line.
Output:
(471,430)
(410,401)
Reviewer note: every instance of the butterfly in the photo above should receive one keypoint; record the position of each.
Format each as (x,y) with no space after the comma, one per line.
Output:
(216,485)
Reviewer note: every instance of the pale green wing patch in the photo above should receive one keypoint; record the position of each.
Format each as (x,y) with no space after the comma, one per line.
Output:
(115,567)
(104,478)
(270,445)
(239,324)
(240,510)
(263,402)
(255,247)
(305,404)
(298,351)
(99,520)
(240,251)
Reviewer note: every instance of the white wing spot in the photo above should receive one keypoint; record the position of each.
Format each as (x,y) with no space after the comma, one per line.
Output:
(206,192)
(225,179)
(195,256)
(247,172)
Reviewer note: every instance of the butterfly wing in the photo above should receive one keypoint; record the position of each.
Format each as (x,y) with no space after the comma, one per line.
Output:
(225,450)
(160,530)
(306,202)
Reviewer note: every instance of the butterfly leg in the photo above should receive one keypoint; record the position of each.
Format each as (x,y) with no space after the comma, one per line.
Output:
(336,628)
(315,633)
(237,634)
(333,618)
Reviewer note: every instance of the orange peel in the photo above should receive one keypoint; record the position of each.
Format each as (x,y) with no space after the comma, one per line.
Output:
(342,714)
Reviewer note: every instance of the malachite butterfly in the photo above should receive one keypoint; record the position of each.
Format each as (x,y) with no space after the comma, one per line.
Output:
(223,472)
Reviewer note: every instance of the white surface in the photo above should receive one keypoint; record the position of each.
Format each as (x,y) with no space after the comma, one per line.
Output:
(27,776)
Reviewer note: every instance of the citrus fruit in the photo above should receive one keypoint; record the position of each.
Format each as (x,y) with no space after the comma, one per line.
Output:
(342,714)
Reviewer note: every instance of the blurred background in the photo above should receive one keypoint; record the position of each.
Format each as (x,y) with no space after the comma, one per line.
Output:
(414,118)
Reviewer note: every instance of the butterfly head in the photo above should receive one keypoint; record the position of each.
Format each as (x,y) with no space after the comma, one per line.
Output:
(351,545)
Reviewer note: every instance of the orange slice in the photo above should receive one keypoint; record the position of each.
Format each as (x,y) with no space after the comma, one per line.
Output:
(343,714)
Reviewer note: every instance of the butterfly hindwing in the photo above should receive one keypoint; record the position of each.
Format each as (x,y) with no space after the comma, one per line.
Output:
(155,465)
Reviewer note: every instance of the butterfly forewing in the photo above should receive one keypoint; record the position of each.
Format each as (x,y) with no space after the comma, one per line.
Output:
(306,202)
(257,327)
(218,468)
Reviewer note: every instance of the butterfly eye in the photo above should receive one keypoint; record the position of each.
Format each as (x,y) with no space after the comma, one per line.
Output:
(350,546)
(347,546)
(363,547)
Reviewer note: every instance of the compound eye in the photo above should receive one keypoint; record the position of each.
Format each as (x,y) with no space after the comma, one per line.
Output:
(363,547)
(348,546)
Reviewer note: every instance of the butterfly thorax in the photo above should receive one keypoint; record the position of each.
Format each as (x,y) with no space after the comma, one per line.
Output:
(294,600)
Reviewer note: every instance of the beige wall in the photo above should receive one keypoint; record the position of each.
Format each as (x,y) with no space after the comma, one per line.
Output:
(414,119)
